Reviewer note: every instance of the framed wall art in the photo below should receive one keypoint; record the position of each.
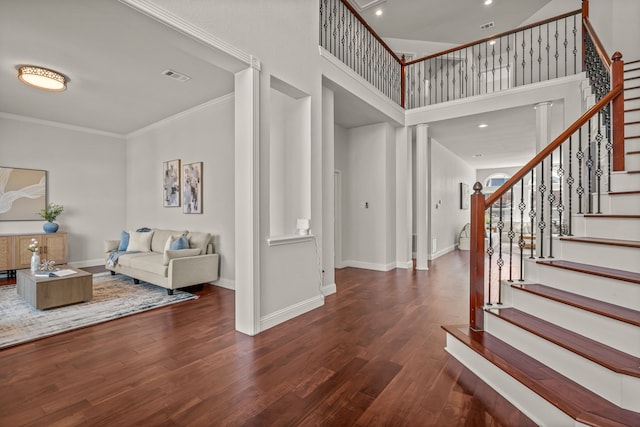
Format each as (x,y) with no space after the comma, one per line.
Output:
(171,183)
(192,188)
(465,198)
(23,193)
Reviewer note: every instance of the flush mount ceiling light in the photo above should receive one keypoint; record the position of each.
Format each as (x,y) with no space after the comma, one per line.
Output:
(42,78)
(379,12)
(487,2)
(482,125)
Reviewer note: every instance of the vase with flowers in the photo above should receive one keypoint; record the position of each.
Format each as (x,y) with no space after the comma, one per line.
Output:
(35,254)
(50,213)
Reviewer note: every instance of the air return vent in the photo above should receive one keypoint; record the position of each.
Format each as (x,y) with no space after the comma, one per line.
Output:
(176,76)
(487,25)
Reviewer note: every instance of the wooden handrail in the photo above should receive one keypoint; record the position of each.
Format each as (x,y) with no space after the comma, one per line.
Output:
(495,36)
(597,43)
(617,90)
(373,33)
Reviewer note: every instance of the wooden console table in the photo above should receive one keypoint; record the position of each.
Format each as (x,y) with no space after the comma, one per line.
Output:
(14,254)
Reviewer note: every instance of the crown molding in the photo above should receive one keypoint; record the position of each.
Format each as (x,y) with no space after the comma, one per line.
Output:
(60,125)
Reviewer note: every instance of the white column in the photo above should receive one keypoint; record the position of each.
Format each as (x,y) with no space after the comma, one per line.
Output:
(247,208)
(328,196)
(422,197)
(543,138)
(403,198)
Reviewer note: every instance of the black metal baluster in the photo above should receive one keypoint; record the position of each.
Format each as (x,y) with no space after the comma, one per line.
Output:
(486,67)
(557,55)
(466,71)
(522,206)
(490,250)
(575,46)
(566,44)
(493,66)
(531,55)
(447,77)
(548,49)
(609,147)
(515,59)
(542,188)
(599,171)
(511,235)
(539,55)
(532,215)
(589,171)
(524,60)
(430,85)
(551,198)
(508,61)
(560,199)
(500,261)
(570,181)
(580,157)
(500,63)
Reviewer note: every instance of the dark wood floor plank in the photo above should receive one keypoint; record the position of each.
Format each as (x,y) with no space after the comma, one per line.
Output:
(372,355)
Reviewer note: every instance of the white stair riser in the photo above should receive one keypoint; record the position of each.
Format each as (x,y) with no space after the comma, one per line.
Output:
(613,291)
(619,335)
(624,204)
(622,181)
(599,380)
(608,228)
(632,145)
(529,403)
(632,161)
(622,258)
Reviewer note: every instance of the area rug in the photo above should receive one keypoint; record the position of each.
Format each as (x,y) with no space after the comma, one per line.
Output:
(113,297)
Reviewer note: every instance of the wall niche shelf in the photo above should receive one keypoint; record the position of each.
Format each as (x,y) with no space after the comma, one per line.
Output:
(290,239)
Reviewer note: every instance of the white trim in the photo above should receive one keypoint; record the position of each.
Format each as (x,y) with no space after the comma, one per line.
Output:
(329,289)
(441,252)
(225,283)
(61,125)
(183,26)
(290,239)
(406,265)
(177,116)
(369,265)
(324,53)
(288,313)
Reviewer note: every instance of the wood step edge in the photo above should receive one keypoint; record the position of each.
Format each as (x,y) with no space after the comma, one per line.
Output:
(631,78)
(603,241)
(632,137)
(633,152)
(632,99)
(620,193)
(608,357)
(569,397)
(613,215)
(635,61)
(594,270)
(632,123)
(605,309)
(630,110)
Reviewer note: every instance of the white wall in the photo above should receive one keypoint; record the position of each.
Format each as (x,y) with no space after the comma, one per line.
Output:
(86,172)
(447,171)
(203,134)
(369,178)
(341,154)
(616,23)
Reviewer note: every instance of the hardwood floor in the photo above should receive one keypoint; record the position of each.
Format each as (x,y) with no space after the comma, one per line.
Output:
(372,355)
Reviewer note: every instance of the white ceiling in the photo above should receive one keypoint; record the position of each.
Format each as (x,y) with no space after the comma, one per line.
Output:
(113,57)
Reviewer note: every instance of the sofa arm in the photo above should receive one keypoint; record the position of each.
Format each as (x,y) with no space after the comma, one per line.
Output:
(111,245)
(193,270)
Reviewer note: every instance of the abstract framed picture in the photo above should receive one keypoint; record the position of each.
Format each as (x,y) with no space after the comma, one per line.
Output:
(23,193)
(192,188)
(465,198)
(171,183)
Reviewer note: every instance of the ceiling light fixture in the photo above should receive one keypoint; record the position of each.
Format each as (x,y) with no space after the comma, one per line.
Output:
(482,125)
(42,78)
(379,12)
(487,2)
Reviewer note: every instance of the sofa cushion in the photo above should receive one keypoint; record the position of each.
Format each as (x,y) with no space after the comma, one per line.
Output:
(152,263)
(125,259)
(181,253)
(199,240)
(181,242)
(139,241)
(124,241)
(160,237)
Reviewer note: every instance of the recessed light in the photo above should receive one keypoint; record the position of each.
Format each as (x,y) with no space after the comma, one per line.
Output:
(487,2)
(482,125)
(379,12)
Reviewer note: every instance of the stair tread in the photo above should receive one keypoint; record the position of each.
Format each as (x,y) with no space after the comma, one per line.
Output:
(632,123)
(631,78)
(622,314)
(630,110)
(613,215)
(618,193)
(603,355)
(566,395)
(632,137)
(603,241)
(635,61)
(632,99)
(610,273)
(633,152)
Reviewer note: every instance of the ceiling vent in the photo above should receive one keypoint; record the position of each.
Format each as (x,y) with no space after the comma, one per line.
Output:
(176,76)
(487,25)
(365,4)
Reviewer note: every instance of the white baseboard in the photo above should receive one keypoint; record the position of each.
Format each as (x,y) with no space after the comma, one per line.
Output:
(407,265)
(369,265)
(225,283)
(329,289)
(288,313)
(441,252)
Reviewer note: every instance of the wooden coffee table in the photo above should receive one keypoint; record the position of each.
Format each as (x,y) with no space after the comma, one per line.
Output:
(50,292)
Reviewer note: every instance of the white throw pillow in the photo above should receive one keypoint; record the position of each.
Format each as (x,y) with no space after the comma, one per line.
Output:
(140,241)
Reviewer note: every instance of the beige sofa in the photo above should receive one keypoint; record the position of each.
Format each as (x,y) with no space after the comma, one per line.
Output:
(154,262)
